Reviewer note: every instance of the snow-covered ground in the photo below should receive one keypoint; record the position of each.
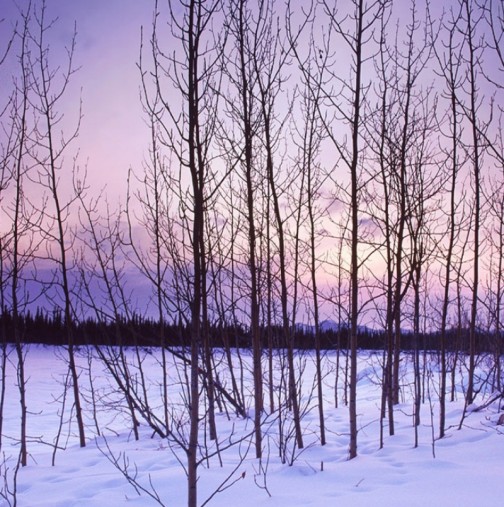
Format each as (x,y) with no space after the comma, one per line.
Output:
(463,469)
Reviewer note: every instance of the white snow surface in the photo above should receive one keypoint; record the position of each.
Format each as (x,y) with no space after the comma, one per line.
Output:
(463,469)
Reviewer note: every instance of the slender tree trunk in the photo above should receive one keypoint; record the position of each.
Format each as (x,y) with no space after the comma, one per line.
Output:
(44,86)
(354,193)
(499,297)
(17,233)
(313,270)
(451,83)
(292,384)
(248,135)
(196,242)
(476,162)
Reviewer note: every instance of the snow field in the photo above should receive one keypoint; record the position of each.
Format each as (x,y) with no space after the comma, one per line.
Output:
(466,470)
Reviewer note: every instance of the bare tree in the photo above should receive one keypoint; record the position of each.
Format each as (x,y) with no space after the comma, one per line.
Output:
(425,182)
(269,62)
(496,269)
(311,135)
(17,219)
(19,245)
(354,30)
(449,67)
(103,290)
(494,14)
(469,20)
(49,87)
(153,260)
(191,72)
(6,177)
(240,71)
(398,130)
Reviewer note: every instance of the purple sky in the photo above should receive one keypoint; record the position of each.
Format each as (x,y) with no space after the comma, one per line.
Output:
(113,136)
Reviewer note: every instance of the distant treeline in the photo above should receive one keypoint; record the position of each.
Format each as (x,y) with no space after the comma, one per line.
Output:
(49,329)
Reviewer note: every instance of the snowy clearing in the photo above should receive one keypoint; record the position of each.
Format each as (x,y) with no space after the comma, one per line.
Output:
(466,470)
